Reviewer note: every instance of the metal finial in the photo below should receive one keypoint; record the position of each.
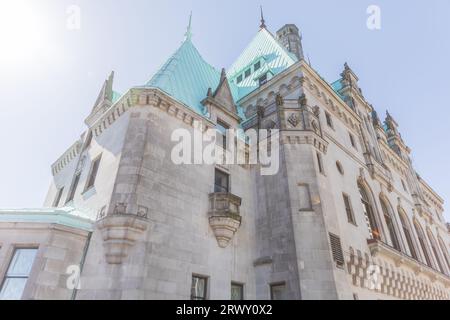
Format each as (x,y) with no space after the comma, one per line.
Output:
(263,22)
(188,34)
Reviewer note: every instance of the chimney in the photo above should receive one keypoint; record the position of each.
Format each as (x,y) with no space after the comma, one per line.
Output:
(290,38)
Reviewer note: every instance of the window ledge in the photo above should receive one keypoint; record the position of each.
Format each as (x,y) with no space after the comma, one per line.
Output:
(88,193)
(379,248)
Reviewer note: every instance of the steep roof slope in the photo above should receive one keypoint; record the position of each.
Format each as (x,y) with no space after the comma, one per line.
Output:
(186,76)
(273,58)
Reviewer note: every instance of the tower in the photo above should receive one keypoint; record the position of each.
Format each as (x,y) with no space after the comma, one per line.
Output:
(290,38)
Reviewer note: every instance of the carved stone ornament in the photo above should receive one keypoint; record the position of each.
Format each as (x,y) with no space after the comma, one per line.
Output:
(279,100)
(120,233)
(294,120)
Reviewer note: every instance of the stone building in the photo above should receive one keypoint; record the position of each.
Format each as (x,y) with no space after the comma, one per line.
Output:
(346,216)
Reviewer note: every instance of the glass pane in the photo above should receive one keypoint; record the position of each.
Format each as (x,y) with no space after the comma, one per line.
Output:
(278,292)
(22,262)
(221,182)
(198,289)
(237,292)
(13,288)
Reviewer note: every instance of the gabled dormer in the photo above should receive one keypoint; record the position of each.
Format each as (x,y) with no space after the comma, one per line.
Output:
(220,101)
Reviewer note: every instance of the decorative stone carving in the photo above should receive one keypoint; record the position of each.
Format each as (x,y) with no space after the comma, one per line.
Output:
(101,213)
(120,208)
(302,101)
(224,216)
(294,120)
(142,212)
(120,233)
(279,100)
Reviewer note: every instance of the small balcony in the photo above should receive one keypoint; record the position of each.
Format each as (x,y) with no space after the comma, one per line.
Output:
(224,216)
(379,248)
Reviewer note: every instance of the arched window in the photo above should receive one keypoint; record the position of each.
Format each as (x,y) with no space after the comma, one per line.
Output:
(408,234)
(369,214)
(423,243)
(390,224)
(435,250)
(444,252)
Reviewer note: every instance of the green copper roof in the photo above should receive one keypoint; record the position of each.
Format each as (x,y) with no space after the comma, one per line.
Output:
(264,50)
(186,76)
(64,216)
(116,96)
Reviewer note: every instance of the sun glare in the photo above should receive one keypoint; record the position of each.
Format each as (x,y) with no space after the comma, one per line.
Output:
(22,32)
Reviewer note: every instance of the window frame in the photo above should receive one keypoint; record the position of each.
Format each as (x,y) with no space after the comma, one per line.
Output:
(352,140)
(369,213)
(219,188)
(274,285)
(320,165)
(241,287)
(91,178)
(73,187)
(329,120)
(205,287)
(350,215)
(407,231)
(12,256)
(390,223)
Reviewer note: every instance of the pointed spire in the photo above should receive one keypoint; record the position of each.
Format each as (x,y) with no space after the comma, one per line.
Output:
(263,22)
(223,75)
(188,34)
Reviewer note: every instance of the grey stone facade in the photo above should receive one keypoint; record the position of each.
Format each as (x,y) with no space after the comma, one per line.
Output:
(152,226)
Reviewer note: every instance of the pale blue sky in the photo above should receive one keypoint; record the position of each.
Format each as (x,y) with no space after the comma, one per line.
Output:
(50,76)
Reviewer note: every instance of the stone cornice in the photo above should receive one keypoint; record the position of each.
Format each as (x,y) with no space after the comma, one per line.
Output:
(393,159)
(303,137)
(431,194)
(67,157)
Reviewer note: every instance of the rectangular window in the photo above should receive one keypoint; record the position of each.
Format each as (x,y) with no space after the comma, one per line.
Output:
(263,79)
(74,187)
(352,140)
(257,66)
(239,79)
(319,163)
(329,119)
(222,128)
(17,274)
(348,209)
(58,197)
(404,186)
(336,249)
(93,173)
(237,291)
(278,291)
(247,73)
(199,288)
(221,182)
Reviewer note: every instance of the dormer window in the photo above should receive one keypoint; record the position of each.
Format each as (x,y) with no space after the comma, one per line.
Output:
(263,79)
(257,66)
